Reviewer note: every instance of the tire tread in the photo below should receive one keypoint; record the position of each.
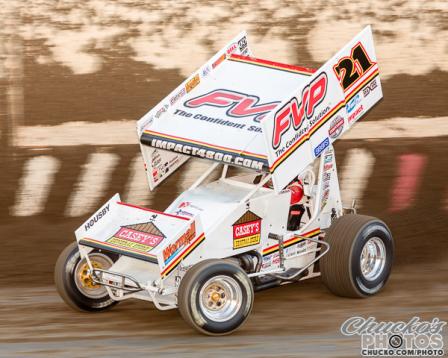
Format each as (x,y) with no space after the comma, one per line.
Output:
(336,265)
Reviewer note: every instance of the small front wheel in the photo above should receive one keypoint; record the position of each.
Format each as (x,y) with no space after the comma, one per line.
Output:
(215,297)
(74,283)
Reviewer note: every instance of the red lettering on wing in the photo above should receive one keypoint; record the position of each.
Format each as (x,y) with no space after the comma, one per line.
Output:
(295,112)
(298,109)
(239,104)
(247,107)
(317,93)
(282,123)
(216,98)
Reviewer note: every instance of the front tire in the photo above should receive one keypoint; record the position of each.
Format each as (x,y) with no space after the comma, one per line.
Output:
(360,257)
(74,283)
(215,297)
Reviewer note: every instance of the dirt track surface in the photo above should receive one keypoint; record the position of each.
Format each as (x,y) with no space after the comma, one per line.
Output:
(297,320)
(112,61)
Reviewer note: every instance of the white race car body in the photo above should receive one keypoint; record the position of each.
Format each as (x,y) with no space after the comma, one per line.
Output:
(271,119)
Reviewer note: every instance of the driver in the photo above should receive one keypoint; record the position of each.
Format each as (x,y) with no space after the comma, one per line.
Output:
(296,208)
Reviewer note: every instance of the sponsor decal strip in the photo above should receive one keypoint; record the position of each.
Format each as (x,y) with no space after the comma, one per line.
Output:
(126,251)
(238,158)
(270,64)
(322,121)
(167,270)
(290,242)
(203,144)
(153,211)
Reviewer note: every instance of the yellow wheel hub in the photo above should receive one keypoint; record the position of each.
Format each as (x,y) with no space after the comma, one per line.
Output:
(215,296)
(85,276)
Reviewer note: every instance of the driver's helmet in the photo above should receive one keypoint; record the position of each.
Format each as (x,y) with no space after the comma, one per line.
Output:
(296,188)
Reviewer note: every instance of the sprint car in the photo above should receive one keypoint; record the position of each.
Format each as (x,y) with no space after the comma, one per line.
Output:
(266,212)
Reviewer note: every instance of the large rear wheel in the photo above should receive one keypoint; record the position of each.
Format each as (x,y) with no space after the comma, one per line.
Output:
(215,297)
(360,258)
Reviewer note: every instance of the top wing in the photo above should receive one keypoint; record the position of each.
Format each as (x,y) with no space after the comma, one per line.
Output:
(160,164)
(320,111)
(221,118)
(259,114)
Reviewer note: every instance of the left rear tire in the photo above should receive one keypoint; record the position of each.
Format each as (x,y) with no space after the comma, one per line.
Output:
(215,297)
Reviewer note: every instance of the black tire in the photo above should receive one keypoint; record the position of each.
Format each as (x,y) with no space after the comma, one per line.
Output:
(189,296)
(341,266)
(64,277)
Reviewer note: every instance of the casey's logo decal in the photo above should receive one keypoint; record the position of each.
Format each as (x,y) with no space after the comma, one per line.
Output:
(239,104)
(246,230)
(295,112)
(141,237)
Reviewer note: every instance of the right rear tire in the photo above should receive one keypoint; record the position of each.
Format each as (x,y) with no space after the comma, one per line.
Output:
(360,257)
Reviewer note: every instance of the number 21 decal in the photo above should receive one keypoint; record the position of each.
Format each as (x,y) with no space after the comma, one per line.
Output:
(349,69)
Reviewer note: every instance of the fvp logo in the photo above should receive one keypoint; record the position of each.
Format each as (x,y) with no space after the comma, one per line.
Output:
(295,112)
(239,104)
